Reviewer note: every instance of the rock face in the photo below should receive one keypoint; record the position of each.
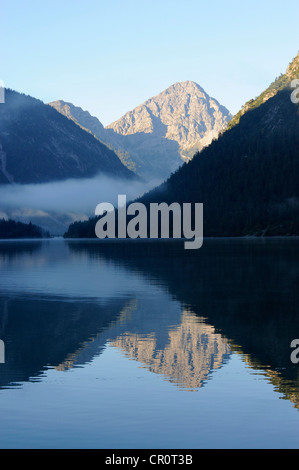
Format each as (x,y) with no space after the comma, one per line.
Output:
(156,137)
(38,145)
(183,113)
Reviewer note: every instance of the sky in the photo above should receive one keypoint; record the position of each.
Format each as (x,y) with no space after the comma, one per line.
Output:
(110,56)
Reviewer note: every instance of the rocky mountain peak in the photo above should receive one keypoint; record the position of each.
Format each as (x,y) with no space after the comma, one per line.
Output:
(183,113)
(155,138)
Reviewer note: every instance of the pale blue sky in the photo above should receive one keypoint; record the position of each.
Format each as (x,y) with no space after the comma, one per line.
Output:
(110,56)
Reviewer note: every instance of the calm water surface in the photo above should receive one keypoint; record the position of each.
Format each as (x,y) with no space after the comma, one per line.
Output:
(147,345)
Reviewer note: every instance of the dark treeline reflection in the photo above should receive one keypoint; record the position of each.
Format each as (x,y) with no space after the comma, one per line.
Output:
(39,333)
(248,289)
(10,249)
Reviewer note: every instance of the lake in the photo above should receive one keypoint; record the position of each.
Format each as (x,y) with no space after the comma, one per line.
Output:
(142,344)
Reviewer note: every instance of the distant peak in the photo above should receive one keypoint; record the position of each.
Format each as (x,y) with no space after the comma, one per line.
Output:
(61,103)
(187,84)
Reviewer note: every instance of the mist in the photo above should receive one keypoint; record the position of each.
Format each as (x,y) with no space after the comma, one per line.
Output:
(71,195)
(55,205)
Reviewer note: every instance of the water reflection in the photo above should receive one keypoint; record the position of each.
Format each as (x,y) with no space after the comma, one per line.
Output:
(192,352)
(246,288)
(179,314)
(39,333)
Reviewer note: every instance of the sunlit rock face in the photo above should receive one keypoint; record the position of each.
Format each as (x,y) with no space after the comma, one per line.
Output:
(192,352)
(184,113)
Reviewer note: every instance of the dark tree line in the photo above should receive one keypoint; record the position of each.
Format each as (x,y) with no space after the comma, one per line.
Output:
(13,229)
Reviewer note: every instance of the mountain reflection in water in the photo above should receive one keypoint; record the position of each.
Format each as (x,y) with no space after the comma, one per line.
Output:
(193,350)
(180,314)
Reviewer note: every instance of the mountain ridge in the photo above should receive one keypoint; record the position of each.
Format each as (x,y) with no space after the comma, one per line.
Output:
(184,109)
(38,144)
(155,137)
(94,126)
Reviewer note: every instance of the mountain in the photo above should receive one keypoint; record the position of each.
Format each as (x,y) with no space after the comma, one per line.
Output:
(81,118)
(156,137)
(92,125)
(183,113)
(247,179)
(38,144)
